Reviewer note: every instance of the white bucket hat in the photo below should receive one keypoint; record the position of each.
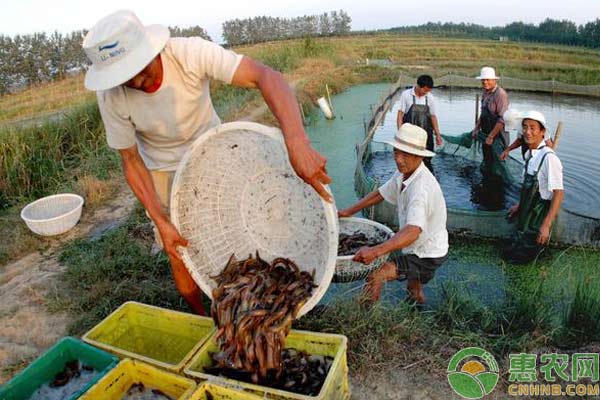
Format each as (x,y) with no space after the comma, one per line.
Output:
(536,116)
(411,139)
(119,47)
(487,73)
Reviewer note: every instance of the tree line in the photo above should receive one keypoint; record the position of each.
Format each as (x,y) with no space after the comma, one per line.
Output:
(30,59)
(263,28)
(35,58)
(549,31)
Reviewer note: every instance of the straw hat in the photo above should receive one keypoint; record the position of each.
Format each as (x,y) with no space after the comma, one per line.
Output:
(536,116)
(411,139)
(119,47)
(487,73)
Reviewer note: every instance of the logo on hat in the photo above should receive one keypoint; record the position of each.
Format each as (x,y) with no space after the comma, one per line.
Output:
(119,47)
(108,46)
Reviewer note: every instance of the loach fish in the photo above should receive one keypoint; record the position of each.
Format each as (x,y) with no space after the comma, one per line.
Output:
(253,307)
(350,244)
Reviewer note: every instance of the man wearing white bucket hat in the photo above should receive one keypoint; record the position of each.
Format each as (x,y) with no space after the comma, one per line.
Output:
(541,194)
(513,118)
(153,94)
(489,128)
(422,237)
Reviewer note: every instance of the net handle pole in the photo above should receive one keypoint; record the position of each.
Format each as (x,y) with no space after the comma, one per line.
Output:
(557,135)
(329,97)
(476,108)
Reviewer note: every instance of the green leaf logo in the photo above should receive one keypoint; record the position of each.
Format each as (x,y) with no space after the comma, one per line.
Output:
(473,373)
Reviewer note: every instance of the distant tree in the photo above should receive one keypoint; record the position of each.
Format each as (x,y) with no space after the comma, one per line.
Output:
(6,73)
(590,33)
(325,27)
(556,31)
(343,26)
(191,31)
(262,28)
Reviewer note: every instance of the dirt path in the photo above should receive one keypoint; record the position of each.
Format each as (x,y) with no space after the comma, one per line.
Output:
(26,326)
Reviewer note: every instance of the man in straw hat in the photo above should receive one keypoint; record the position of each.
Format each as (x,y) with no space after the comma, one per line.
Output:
(489,128)
(422,237)
(541,194)
(153,94)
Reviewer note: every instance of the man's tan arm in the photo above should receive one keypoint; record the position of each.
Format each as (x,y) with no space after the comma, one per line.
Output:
(403,238)
(369,200)
(557,198)
(306,161)
(140,181)
(399,119)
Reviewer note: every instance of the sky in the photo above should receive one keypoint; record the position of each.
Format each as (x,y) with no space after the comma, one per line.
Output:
(28,16)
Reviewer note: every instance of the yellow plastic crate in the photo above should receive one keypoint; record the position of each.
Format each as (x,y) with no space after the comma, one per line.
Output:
(155,335)
(325,344)
(117,382)
(213,391)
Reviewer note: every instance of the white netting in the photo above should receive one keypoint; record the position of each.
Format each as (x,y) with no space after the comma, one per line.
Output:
(235,192)
(53,215)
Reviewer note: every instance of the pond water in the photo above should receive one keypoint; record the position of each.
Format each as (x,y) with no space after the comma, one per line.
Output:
(460,178)
(337,140)
(577,149)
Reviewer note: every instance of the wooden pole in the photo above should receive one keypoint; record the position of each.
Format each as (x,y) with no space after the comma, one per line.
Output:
(476,108)
(557,135)
(329,98)
(302,114)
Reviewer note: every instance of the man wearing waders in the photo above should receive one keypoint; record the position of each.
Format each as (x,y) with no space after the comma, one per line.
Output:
(489,129)
(417,107)
(541,194)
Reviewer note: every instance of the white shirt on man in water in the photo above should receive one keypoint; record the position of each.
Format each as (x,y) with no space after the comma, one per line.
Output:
(406,101)
(550,177)
(421,203)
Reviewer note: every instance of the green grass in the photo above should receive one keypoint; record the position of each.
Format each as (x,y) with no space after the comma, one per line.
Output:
(289,56)
(37,161)
(102,274)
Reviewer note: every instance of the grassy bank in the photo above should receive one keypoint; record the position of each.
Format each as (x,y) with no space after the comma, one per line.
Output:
(64,155)
(34,101)
(104,273)
(549,305)
(438,56)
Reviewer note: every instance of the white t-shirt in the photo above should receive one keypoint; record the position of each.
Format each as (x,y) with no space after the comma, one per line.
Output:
(550,176)
(165,123)
(406,100)
(421,203)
